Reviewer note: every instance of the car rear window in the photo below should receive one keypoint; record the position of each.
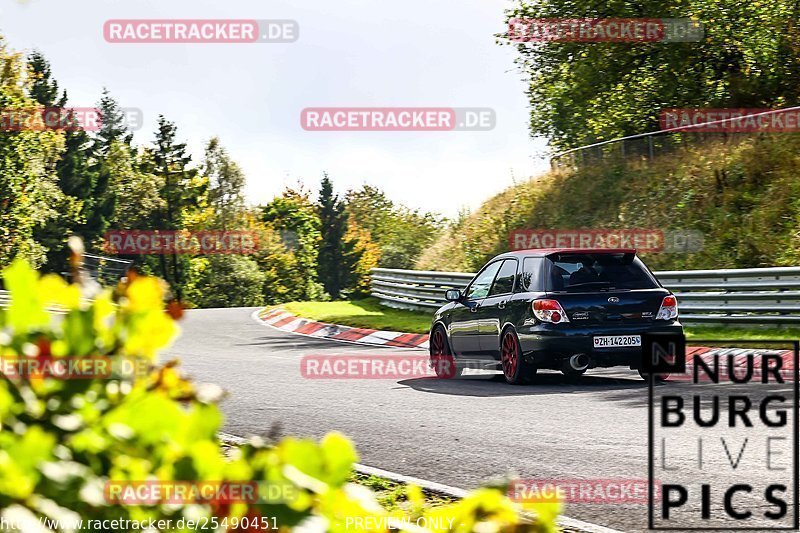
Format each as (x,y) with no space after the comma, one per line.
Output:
(573,272)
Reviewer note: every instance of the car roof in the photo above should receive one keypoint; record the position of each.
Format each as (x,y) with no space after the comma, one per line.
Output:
(541,252)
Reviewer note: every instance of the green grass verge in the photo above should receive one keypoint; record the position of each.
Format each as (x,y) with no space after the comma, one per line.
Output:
(392,495)
(755,333)
(367,313)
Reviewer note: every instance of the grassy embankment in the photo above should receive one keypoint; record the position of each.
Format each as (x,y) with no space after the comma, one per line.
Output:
(743,195)
(367,313)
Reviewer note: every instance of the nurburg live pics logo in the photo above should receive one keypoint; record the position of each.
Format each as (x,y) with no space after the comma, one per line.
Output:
(722,436)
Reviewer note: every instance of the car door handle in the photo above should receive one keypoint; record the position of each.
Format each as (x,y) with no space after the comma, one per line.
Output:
(502,305)
(475,309)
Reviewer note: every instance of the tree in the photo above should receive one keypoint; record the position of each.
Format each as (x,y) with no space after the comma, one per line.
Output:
(136,191)
(366,254)
(226,184)
(336,255)
(29,194)
(179,191)
(291,219)
(402,234)
(86,179)
(113,126)
(586,92)
(87,206)
(44,89)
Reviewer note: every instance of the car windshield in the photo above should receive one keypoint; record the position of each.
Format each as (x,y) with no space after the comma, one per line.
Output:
(575,272)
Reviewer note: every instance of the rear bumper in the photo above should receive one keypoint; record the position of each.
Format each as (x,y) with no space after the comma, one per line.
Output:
(547,345)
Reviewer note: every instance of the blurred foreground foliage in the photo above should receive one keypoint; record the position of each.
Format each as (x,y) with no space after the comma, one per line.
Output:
(63,440)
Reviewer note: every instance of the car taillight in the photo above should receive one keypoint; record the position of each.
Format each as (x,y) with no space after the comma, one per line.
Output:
(669,308)
(549,311)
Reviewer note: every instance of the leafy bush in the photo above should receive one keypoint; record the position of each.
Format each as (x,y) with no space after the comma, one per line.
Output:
(63,440)
(402,234)
(227,281)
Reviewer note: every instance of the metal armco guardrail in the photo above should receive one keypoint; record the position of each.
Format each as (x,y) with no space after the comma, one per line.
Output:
(769,296)
(647,145)
(104,270)
(5,300)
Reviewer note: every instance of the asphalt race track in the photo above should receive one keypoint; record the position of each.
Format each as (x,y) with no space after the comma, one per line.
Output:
(462,433)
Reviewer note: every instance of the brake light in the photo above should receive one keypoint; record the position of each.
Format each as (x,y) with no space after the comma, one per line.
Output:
(669,308)
(549,311)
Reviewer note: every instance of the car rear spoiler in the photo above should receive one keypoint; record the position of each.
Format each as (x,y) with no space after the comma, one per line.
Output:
(628,253)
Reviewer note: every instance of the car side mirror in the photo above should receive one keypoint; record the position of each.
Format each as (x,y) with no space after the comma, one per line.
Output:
(452,295)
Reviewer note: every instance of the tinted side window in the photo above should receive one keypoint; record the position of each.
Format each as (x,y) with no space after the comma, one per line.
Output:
(529,280)
(504,282)
(480,286)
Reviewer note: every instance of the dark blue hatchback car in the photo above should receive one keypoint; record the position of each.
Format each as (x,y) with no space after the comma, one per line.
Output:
(559,309)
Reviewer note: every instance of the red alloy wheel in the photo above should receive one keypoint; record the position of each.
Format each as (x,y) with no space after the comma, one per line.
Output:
(437,343)
(444,364)
(509,355)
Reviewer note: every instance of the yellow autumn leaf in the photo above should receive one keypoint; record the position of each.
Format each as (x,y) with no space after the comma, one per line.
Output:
(145,294)
(150,334)
(103,309)
(52,288)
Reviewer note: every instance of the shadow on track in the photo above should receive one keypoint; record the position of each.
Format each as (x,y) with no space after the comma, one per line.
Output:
(302,342)
(545,383)
(621,386)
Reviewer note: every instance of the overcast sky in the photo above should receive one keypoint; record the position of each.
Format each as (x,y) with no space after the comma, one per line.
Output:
(355,53)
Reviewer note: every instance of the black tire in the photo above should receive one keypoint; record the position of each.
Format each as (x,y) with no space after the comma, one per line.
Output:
(515,369)
(443,362)
(659,378)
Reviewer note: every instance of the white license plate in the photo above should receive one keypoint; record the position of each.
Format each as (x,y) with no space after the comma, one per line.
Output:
(618,341)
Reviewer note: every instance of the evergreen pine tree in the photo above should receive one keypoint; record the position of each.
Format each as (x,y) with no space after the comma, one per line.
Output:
(113,126)
(337,256)
(171,164)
